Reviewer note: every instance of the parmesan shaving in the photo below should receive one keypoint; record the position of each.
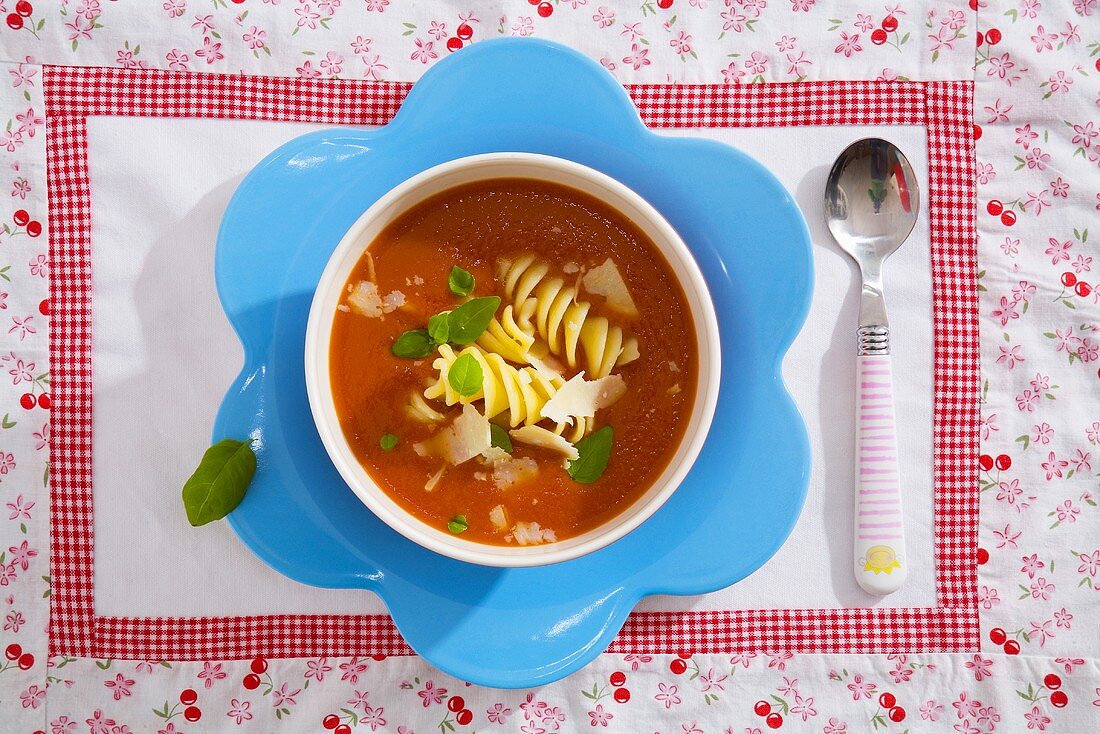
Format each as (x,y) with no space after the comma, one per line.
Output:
(675,389)
(499,518)
(529,533)
(467,437)
(510,472)
(365,300)
(581,398)
(434,481)
(606,280)
(538,436)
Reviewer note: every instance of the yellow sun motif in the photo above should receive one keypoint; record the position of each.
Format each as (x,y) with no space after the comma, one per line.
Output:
(881,559)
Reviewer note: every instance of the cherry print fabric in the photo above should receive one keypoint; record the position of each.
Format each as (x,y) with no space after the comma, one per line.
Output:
(1038,190)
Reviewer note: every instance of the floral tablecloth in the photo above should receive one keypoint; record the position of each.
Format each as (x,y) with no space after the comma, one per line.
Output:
(1036,71)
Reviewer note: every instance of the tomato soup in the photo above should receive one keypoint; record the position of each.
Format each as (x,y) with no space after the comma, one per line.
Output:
(513,361)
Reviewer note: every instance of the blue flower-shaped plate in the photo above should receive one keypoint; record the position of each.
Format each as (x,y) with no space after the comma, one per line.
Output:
(517,627)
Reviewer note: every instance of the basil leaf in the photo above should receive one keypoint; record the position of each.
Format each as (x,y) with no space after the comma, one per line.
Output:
(461,282)
(465,375)
(594,450)
(500,437)
(458,524)
(219,483)
(439,327)
(414,344)
(470,320)
(387,442)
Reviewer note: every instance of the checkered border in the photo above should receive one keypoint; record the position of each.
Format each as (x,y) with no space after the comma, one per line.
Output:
(944,108)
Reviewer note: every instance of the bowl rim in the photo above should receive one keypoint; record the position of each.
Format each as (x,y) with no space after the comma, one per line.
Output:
(322,406)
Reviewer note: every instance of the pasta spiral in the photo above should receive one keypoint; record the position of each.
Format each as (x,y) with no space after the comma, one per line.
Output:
(545,305)
(522,391)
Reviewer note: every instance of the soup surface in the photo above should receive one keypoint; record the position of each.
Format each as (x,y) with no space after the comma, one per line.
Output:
(513,361)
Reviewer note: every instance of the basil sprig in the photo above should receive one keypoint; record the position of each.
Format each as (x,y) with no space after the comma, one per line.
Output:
(461,282)
(594,452)
(461,326)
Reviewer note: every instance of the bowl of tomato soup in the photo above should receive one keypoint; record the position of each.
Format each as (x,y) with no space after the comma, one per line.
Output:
(512,359)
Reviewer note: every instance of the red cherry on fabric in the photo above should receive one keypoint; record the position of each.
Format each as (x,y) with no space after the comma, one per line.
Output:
(678,666)
(464,717)
(258,666)
(1003,462)
(26,661)
(454,43)
(887,700)
(1012,647)
(21,217)
(251,681)
(15,21)
(27,401)
(1052,681)
(1008,217)
(985,461)
(1059,699)
(889,24)
(533,2)
(342,729)
(44,401)
(1069,279)
(545,10)
(993,36)
(465,31)
(34,228)
(684,655)
(774,720)
(192,714)
(24,8)
(13,651)
(331,721)
(456,704)
(981,38)
(622,695)
(1082,288)
(974,5)
(878,36)
(762,708)
(1098,64)
(664,4)
(997,636)
(977,132)
(188,696)
(897,714)
(618,678)
(995,207)
(44,307)
(983,556)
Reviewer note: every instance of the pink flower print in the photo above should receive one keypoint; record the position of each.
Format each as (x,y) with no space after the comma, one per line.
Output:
(797,64)
(524,26)
(1042,589)
(23,73)
(988,718)
(638,57)
(604,17)
(1000,67)
(120,686)
(377,5)
(307,70)
(1070,34)
(89,10)
(7,574)
(733,74)
(431,694)
(1070,663)
(438,31)
(307,17)
(1067,341)
(1007,312)
(1043,41)
(778,660)
(804,707)
(1089,350)
(681,44)
(864,22)
(317,668)
(1063,618)
(1082,264)
(21,372)
(359,700)
(98,724)
(498,713)
(981,667)
(20,187)
(1032,565)
(332,64)
(424,52)
(1092,433)
(943,38)
(733,20)
(1067,512)
(352,669)
(668,695)
(33,697)
(205,23)
(985,173)
(211,672)
(13,621)
(255,37)
(178,60)
(1058,251)
(901,674)
(802,6)
(21,555)
(372,717)
(786,43)
(77,30)
(1090,563)
(788,686)
(1036,719)
(23,326)
(62,725)
(848,44)
(710,681)
(532,728)
(28,122)
(966,707)
(632,31)
(553,717)
(930,710)
(1085,135)
(1009,491)
(1036,159)
(742,658)
(1010,247)
(635,660)
(1037,201)
(1054,466)
(1024,136)
(1041,433)
(757,62)
(988,597)
(1040,382)
(374,67)
(1081,462)
(174,8)
(1010,357)
(20,509)
(1060,81)
(283,696)
(861,688)
(240,711)
(360,45)
(10,140)
(7,462)
(835,726)
(997,113)
(210,51)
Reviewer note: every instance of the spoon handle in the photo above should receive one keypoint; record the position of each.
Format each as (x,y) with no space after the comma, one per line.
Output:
(881,564)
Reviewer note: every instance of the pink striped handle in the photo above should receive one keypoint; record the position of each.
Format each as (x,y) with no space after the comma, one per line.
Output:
(880,558)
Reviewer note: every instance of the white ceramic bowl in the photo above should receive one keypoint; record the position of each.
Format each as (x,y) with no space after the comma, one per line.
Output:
(467,170)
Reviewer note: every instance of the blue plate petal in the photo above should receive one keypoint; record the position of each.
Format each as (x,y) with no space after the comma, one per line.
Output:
(517,627)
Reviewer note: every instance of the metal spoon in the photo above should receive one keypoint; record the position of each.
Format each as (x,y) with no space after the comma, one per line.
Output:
(871,205)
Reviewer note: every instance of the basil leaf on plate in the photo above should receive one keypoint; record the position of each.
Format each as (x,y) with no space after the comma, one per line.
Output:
(595,451)
(458,524)
(413,344)
(387,442)
(500,437)
(465,375)
(469,321)
(439,327)
(219,483)
(461,282)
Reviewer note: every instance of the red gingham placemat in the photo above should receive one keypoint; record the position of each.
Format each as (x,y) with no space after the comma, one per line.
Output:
(944,108)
